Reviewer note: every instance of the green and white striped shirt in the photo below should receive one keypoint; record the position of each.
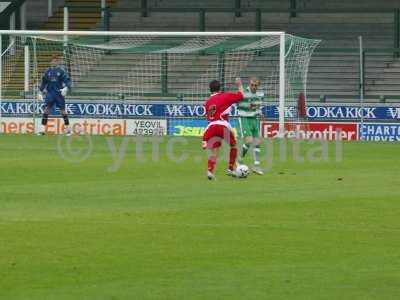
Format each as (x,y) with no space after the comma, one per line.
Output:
(244,106)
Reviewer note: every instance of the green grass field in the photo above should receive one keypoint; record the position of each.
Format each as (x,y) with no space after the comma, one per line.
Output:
(160,230)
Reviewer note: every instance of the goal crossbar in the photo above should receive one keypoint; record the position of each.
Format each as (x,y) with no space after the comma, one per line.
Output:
(142,33)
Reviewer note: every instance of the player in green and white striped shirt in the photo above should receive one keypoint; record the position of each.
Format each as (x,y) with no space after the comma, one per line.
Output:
(249,112)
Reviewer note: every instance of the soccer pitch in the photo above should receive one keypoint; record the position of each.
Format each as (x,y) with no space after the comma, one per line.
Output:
(114,227)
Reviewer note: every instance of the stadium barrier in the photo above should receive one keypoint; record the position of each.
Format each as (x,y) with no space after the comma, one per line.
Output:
(328,130)
(386,132)
(176,110)
(91,126)
(372,123)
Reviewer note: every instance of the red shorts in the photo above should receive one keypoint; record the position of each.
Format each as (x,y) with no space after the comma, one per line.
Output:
(215,134)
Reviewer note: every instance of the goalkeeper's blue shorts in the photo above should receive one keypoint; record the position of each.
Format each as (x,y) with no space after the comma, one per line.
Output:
(55,99)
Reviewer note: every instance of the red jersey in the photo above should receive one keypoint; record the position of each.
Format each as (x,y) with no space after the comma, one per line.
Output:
(218,106)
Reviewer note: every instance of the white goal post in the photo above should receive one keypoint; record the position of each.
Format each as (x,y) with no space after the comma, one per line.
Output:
(285,57)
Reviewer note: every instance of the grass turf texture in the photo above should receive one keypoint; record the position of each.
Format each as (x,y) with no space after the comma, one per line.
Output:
(160,230)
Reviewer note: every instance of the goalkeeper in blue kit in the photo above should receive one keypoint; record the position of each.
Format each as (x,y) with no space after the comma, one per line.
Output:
(53,89)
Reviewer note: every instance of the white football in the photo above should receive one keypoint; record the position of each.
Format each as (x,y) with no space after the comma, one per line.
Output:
(242,171)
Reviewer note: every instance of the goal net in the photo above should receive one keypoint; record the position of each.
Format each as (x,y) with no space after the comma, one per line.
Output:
(157,75)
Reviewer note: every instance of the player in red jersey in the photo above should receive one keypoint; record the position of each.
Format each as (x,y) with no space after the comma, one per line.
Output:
(218,107)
